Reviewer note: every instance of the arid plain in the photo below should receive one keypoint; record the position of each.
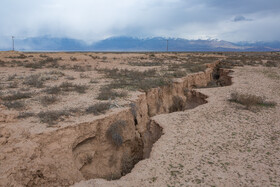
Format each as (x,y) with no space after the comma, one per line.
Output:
(139,119)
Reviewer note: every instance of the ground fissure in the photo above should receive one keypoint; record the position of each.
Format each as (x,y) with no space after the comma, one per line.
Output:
(124,152)
(110,146)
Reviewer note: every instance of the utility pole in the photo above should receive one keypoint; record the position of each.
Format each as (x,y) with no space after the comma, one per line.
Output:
(13,43)
(166,45)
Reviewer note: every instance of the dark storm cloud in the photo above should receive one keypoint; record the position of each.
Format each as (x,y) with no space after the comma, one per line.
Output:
(94,20)
(241,18)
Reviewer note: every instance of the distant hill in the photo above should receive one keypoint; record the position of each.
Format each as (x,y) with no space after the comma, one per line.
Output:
(137,44)
(50,44)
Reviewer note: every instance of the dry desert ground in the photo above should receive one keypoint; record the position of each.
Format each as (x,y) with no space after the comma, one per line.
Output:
(139,119)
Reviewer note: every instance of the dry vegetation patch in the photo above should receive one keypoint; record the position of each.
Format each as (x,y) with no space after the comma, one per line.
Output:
(114,133)
(51,117)
(53,79)
(134,80)
(66,87)
(251,59)
(107,93)
(98,108)
(14,104)
(48,100)
(145,63)
(24,115)
(249,100)
(16,95)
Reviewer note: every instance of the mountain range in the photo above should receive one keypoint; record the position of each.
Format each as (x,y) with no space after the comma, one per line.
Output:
(137,44)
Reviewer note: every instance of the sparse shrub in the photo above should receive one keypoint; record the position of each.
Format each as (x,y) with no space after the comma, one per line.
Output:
(145,63)
(147,84)
(83,76)
(14,63)
(2,63)
(93,81)
(135,79)
(53,90)
(34,81)
(180,68)
(89,159)
(17,96)
(50,117)
(174,67)
(272,63)
(227,64)
(54,72)
(21,56)
(48,62)
(80,88)
(178,104)
(43,56)
(11,77)
(24,115)
(47,100)
(25,89)
(178,74)
(14,104)
(114,133)
(197,68)
(73,58)
(107,93)
(249,100)
(70,78)
(104,58)
(129,74)
(68,87)
(88,67)
(94,57)
(86,159)
(33,65)
(98,108)
(79,68)
(13,85)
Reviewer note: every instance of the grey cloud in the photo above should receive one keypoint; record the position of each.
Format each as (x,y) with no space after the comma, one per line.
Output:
(94,20)
(245,6)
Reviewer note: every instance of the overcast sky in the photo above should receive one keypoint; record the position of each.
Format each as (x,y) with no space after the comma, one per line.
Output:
(90,20)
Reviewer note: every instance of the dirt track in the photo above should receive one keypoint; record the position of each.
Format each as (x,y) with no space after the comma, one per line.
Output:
(216,144)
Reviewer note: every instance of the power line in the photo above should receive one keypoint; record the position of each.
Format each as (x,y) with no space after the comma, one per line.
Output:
(13,43)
